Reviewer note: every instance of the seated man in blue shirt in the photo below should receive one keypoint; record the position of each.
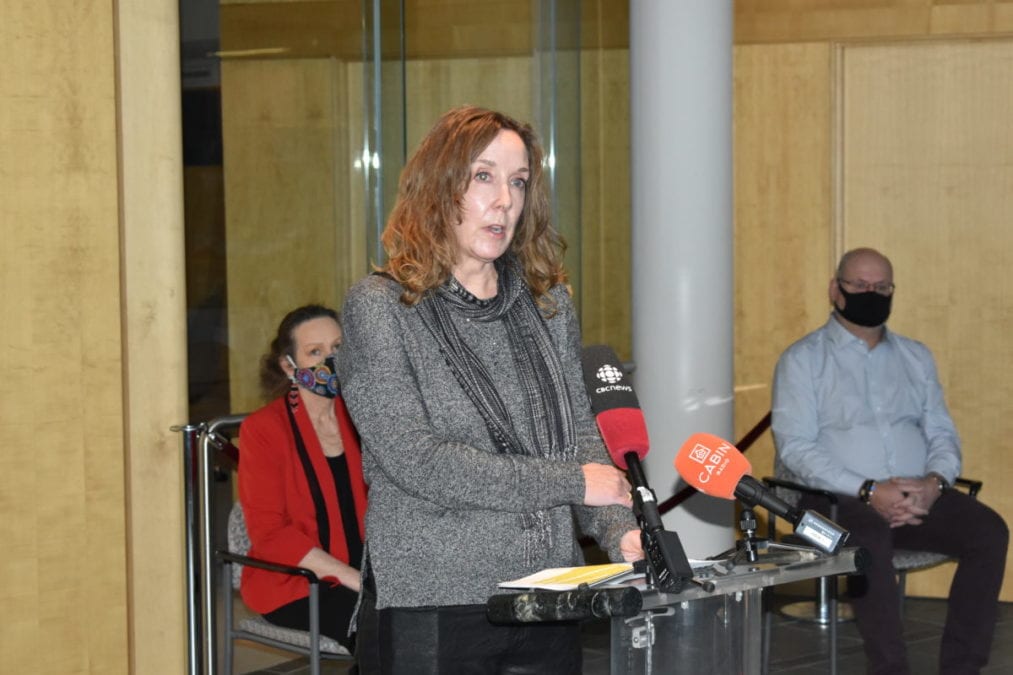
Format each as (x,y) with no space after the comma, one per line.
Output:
(858,410)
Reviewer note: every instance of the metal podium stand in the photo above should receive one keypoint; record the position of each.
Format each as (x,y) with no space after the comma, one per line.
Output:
(720,630)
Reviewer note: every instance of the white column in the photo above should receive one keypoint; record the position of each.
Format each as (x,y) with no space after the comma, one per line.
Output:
(681,172)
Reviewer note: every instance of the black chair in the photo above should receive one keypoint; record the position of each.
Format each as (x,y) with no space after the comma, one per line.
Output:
(223,459)
(825,608)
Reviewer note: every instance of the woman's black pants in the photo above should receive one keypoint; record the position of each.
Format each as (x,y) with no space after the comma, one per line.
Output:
(459,640)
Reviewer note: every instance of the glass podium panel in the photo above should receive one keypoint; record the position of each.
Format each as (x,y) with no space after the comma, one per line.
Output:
(715,624)
(720,634)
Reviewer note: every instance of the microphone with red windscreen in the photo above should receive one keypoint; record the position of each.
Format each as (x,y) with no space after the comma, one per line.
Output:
(622,426)
(615,405)
(616,410)
(715,467)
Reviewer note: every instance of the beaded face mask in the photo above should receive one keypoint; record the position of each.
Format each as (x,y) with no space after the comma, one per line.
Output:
(321,379)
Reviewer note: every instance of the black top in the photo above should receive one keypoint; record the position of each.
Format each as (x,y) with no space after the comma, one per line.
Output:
(349,520)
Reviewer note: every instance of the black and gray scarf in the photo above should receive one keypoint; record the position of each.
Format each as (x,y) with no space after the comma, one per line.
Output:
(539,370)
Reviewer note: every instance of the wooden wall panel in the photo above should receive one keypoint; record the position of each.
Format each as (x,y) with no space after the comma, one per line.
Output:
(606,282)
(468,28)
(63,592)
(207,338)
(279,114)
(153,324)
(292,28)
(823,20)
(928,179)
(504,83)
(288,169)
(783,206)
(433,86)
(434,29)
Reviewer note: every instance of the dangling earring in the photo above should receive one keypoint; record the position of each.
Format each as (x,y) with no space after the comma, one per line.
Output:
(293,389)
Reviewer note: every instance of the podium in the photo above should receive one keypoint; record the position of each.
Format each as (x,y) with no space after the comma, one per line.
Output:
(716,626)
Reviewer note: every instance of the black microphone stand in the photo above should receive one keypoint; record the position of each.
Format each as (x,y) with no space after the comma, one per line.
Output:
(749,543)
(668,567)
(749,548)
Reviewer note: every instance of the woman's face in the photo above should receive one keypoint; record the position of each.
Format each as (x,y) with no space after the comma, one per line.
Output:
(313,341)
(493,202)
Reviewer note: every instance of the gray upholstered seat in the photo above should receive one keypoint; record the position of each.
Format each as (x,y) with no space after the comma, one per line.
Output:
(261,627)
(904,560)
(257,626)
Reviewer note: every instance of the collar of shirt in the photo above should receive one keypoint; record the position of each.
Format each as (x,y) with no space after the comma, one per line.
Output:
(841,338)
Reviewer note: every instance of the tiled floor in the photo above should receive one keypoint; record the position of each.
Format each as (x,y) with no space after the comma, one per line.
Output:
(800,648)
(797,647)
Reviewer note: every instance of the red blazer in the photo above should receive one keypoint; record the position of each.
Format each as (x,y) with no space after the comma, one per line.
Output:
(276,499)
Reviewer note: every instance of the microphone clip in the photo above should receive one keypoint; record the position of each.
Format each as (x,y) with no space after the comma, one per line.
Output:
(668,568)
(643,495)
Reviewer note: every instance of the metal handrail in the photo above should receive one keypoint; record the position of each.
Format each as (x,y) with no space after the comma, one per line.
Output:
(201,442)
(194,589)
(211,442)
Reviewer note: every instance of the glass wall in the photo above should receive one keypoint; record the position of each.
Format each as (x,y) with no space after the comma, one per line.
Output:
(298,117)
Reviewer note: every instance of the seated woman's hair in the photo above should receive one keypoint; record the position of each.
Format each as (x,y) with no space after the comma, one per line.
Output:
(419,237)
(273,380)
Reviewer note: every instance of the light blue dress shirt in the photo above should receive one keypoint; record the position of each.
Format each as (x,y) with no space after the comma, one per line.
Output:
(843,413)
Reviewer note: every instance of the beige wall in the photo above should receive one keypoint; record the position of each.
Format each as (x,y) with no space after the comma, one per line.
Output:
(476,52)
(868,123)
(783,127)
(92,284)
(153,324)
(779,21)
(92,341)
(61,408)
(926,175)
(293,205)
(606,282)
(290,199)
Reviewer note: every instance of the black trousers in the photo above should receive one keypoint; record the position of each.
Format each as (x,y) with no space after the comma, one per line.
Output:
(459,640)
(336,606)
(957,525)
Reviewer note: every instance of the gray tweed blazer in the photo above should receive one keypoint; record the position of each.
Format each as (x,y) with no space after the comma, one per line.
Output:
(444,521)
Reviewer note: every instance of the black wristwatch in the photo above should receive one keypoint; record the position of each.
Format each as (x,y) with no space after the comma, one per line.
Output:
(865,492)
(940,481)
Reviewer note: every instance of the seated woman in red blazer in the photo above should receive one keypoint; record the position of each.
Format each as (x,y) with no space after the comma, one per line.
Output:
(300,480)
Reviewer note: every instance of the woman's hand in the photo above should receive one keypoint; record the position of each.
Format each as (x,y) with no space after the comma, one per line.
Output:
(323,564)
(605,485)
(631,546)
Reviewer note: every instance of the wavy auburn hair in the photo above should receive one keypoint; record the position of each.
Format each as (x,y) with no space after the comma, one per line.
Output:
(419,237)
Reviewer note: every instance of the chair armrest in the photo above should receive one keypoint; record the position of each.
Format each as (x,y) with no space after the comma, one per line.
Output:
(309,575)
(973,486)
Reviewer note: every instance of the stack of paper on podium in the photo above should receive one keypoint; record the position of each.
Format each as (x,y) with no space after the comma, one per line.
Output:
(569,578)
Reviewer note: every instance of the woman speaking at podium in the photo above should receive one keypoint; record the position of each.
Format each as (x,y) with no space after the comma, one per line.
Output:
(461,369)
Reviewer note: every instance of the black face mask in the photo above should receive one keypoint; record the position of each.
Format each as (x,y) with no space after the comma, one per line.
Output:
(868,309)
